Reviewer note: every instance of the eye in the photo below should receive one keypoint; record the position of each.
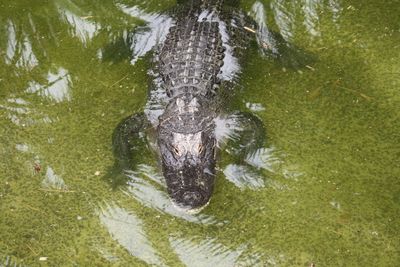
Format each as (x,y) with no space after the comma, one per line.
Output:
(200,148)
(176,150)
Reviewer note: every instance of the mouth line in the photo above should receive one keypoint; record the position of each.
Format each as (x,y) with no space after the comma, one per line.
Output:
(188,210)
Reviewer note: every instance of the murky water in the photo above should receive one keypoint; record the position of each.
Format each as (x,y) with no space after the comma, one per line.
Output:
(328,193)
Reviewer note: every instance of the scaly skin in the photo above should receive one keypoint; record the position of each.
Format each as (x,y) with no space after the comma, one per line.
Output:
(189,62)
(198,56)
(192,62)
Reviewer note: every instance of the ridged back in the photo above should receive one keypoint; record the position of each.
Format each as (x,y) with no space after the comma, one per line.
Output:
(191,57)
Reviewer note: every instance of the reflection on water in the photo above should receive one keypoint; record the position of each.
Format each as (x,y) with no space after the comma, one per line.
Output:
(82,28)
(9,262)
(279,45)
(250,176)
(20,109)
(204,253)
(22,147)
(311,16)
(264,158)
(284,17)
(58,87)
(11,42)
(199,252)
(146,37)
(288,13)
(23,113)
(255,107)
(79,23)
(265,37)
(243,176)
(28,59)
(154,195)
(19,53)
(336,9)
(53,181)
(128,231)
(268,206)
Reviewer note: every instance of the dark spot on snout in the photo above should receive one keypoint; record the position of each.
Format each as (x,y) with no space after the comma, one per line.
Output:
(191,198)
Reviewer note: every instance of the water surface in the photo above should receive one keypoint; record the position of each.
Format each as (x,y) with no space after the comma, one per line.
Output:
(328,193)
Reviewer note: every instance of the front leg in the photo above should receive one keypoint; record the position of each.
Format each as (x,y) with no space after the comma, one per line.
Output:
(129,141)
(240,133)
(242,136)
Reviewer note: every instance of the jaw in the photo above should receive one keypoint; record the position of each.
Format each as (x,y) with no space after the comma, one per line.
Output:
(190,210)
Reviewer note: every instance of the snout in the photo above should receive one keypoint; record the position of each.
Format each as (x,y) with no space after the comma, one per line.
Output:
(190,199)
(189,178)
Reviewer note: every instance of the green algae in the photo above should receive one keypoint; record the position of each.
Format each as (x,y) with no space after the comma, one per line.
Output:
(331,198)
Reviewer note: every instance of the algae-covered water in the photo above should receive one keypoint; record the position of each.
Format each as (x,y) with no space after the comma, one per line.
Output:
(329,193)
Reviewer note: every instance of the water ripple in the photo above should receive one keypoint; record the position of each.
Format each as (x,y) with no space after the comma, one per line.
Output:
(142,188)
(19,52)
(58,86)
(81,27)
(284,17)
(206,253)
(147,37)
(243,176)
(127,229)
(311,16)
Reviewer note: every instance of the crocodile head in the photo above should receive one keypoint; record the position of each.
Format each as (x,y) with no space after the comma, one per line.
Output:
(187,145)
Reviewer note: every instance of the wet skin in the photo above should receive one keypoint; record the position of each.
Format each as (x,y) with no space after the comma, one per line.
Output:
(188,153)
(195,65)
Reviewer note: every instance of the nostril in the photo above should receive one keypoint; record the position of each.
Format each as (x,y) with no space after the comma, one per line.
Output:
(192,197)
(190,200)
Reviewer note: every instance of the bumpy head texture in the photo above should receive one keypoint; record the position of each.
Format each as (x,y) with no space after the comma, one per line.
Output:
(187,144)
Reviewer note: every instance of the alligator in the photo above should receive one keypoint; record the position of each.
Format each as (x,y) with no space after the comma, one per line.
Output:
(196,66)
